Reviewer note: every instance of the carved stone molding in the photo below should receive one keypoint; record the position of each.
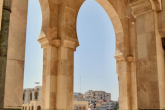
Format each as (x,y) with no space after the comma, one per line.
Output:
(129,14)
(140,7)
(119,58)
(43,40)
(129,59)
(56,42)
(156,5)
(70,43)
(143,6)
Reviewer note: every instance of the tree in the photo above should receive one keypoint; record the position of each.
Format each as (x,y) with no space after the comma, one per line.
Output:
(116,107)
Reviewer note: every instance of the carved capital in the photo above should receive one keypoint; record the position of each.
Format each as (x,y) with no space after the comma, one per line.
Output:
(140,7)
(43,40)
(129,59)
(119,58)
(56,42)
(156,5)
(129,14)
(143,6)
(70,43)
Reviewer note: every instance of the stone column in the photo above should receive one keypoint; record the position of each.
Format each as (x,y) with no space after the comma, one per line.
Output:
(124,77)
(57,89)
(65,75)
(49,79)
(149,55)
(15,55)
(4,47)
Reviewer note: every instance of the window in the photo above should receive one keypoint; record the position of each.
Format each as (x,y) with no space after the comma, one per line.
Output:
(23,96)
(30,96)
(36,95)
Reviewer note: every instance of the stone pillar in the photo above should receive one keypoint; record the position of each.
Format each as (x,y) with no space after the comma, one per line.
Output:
(149,66)
(49,79)
(15,55)
(124,77)
(3,47)
(65,75)
(57,89)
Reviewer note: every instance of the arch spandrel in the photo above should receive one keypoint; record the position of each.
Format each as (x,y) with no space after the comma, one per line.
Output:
(45,15)
(119,23)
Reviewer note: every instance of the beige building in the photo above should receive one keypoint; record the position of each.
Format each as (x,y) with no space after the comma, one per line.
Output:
(140,51)
(80,105)
(32,94)
(32,105)
(32,99)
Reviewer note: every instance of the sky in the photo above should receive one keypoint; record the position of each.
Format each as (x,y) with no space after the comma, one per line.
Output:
(94,58)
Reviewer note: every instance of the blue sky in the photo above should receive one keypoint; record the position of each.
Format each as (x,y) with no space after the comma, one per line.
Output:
(94,58)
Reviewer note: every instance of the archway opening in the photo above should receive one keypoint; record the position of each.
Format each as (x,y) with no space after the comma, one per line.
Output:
(95,75)
(33,54)
(39,108)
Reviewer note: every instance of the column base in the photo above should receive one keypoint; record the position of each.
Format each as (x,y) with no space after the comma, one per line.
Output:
(12,108)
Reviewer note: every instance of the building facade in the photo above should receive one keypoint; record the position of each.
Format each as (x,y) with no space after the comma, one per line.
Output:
(32,94)
(32,98)
(93,96)
(99,99)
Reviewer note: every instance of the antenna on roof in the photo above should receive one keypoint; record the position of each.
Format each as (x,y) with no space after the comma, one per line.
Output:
(80,83)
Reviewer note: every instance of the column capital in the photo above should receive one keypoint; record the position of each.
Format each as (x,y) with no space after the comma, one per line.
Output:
(67,42)
(144,6)
(43,40)
(121,58)
(70,43)
(140,7)
(129,58)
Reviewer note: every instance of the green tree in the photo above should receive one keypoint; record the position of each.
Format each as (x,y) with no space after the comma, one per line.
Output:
(116,107)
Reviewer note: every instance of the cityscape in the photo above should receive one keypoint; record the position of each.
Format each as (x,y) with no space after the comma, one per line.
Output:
(99,100)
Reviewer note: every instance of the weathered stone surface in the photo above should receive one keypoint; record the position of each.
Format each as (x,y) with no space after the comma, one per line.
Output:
(141,76)
(3,47)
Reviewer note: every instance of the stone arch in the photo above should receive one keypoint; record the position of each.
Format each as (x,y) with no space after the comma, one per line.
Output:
(118,23)
(59,33)
(59,41)
(45,15)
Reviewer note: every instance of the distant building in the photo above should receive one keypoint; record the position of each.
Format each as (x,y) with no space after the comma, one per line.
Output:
(32,94)
(80,105)
(93,96)
(32,98)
